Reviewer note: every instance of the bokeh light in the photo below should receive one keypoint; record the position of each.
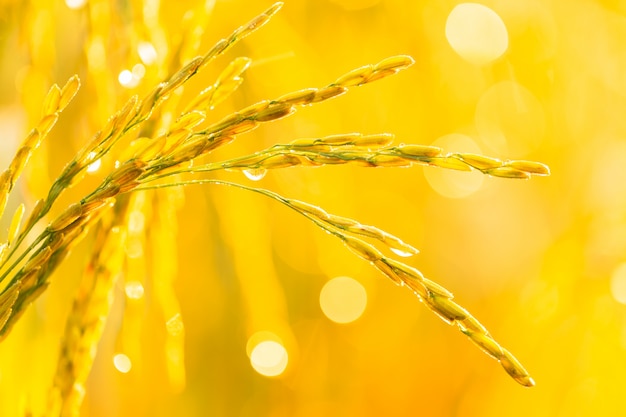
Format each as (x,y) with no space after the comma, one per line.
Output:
(75,4)
(147,53)
(476,33)
(269,358)
(209,270)
(122,363)
(618,283)
(343,299)
(134,290)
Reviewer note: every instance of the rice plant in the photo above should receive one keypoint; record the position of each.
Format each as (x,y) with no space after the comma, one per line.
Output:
(160,142)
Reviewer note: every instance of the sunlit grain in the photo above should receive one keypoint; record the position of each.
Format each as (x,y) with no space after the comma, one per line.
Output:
(455,184)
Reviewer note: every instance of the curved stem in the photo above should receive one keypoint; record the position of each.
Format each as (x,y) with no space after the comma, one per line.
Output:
(332,230)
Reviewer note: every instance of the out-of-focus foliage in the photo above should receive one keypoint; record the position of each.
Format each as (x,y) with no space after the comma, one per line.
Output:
(540,263)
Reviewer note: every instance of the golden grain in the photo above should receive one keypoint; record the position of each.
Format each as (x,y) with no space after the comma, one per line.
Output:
(5,189)
(309,209)
(352,226)
(253,109)
(234,70)
(479,162)
(419,150)
(4,248)
(394,243)
(217,142)
(449,163)
(388,161)
(379,75)
(19,162)
(202,101)
(435,288)
(300,97)
(339,140)
(448,308)
(226,122)
(4,317)
(69,216)
(33,139)
(180,77)
(38,259)
(257,22)
(115,124)
(188,151)
(327,93)
(47,123)
(514,368)
(398,62)
(384,267)
(407,272)
(486,343)
(240,127)
(8,296)
(189,120)
(507,172)
(16,221)
(68,92)
(176,138)
(373,141)
(361,248)
(128,171)
(530,167)
(280,161)
(471,324)
(274,112)
(35,214)
(355,77)
(143,148)
(108,191)
(51,102)
(146,159)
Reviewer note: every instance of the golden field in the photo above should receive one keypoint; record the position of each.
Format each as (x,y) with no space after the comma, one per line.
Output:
(211,300)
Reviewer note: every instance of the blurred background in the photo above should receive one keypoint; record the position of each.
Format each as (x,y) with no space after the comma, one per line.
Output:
(278,318)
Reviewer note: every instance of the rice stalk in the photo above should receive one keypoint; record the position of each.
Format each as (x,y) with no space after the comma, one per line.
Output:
(437,298)
(160,149)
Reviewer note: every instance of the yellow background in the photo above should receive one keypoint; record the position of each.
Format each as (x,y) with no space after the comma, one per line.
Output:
(533,260)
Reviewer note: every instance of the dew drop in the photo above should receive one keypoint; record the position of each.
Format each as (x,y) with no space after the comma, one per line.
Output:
(255,174)
(94,166)
(402,253)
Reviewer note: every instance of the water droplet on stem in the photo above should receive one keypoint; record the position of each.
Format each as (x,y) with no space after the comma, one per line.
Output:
(400,252)
(255,174)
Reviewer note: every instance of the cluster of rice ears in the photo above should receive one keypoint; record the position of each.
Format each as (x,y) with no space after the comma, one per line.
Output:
(157,158)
